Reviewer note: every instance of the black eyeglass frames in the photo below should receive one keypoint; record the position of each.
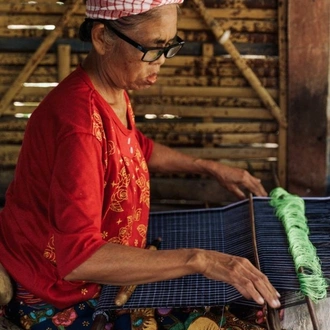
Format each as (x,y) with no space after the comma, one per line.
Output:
(150,54)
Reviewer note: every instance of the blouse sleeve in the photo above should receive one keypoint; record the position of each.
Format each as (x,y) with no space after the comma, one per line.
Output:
(75,202)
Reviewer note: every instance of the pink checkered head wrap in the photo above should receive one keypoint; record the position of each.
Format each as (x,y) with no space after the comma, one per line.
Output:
(114,9)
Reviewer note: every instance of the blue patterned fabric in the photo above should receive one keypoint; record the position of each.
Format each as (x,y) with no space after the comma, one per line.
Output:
(80,316)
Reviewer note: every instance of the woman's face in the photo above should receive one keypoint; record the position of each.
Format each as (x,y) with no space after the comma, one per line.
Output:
(122,65)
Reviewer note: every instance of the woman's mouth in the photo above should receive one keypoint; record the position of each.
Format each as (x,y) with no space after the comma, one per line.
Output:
(152,78)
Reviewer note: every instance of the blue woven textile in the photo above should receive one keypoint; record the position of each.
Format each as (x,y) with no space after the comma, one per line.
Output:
(226,229)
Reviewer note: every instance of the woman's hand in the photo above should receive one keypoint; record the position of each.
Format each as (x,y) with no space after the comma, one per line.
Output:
(240,273)
(233,179)
(168,160)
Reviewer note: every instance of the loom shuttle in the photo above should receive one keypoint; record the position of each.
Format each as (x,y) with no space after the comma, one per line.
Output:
(125,292)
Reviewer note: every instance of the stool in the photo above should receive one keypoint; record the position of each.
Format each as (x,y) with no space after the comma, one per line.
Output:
(6,294)
(6,287)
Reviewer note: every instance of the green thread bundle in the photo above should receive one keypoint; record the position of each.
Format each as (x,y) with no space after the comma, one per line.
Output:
(290,209)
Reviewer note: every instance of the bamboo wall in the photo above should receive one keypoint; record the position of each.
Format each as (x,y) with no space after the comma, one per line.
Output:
(202,104)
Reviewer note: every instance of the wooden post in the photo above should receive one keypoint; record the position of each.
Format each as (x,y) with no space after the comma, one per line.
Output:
(308,89)
(283,87)
(63,61)
(223,38)
(38,55)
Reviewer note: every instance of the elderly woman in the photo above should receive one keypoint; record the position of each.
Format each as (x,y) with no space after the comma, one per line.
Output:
(76,214)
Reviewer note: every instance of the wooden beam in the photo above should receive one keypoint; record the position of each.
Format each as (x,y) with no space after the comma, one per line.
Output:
(200,111)
(154,100)
(38,55)
(266,66)
(237,26)
(55,75)
(239,36)
(206,67)
(202,91)
(214,128)
(194,139)
(231,153)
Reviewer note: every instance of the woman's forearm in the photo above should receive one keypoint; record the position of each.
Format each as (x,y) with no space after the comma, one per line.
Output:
(235,180)
(123,265)
(168,160)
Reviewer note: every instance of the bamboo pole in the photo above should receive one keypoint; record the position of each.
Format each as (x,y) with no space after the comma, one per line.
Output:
(223,38)
(64,62)
(38,55)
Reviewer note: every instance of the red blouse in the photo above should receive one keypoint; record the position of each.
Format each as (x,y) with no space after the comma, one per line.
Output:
(81,181)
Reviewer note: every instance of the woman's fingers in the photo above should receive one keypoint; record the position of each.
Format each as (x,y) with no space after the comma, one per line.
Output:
(233,179)
(240,273)
(255,285)
(260,292)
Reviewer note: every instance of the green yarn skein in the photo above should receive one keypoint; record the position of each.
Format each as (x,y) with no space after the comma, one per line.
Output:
(290,209)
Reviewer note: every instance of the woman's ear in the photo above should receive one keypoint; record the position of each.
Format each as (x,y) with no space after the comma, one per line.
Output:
(98,38)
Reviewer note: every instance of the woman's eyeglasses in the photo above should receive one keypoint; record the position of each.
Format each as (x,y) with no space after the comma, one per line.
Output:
(150,54)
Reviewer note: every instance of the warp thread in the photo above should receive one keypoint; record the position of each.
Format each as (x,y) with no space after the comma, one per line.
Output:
(290,209)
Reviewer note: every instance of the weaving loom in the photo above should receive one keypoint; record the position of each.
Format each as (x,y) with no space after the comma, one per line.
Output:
(227,230)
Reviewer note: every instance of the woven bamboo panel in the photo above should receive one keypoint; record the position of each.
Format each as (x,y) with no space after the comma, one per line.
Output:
(202,104)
